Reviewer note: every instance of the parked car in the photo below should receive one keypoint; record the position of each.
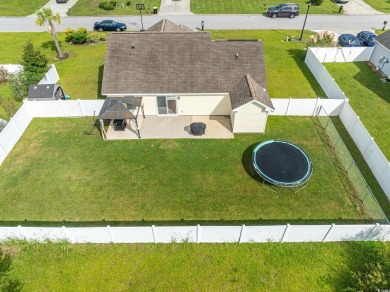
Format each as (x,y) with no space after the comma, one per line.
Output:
(110,25)
(285,10)
(341,1)
(62,1)
(366,38)
(348,40)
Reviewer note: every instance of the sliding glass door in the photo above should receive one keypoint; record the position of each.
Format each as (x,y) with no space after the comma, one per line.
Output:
(167,105)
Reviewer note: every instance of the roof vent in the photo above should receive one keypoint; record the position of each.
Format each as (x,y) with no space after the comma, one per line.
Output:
(132,46)
(236,55)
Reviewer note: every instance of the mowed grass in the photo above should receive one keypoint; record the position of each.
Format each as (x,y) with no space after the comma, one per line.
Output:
(191,267)
(91,8)
(368,96)
(56,173)
(20,7)
(255,6)
(380,5)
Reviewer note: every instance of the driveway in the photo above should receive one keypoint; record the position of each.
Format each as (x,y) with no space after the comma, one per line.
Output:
(356,7)
(175,7)
(61,8)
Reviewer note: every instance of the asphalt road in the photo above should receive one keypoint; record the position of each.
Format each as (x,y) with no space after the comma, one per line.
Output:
(336,23)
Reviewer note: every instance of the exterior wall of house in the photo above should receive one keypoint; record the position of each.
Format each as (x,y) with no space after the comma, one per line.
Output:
(191,105)
(250,118)
(378,52)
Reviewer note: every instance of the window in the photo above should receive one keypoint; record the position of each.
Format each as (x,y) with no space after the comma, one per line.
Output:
(167,105)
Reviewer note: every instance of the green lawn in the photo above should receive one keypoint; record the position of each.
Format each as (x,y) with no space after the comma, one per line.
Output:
(91,7)
(192,267)
(82,72)
(380,5)
(87,179)
(255,6)
(368,96)
(20,7)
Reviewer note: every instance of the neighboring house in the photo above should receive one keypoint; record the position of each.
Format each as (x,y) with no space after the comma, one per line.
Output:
(178,71)
(380,57)
(45,92)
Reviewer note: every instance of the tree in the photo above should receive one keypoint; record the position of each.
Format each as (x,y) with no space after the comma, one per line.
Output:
(46,15)
(7,283)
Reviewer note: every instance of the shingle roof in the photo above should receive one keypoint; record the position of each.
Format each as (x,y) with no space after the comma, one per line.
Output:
(183,62)
(165,25)
(384,39)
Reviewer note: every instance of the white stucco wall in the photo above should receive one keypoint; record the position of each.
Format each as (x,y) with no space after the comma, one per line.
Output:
(190,105)
(250,118)
(378,52)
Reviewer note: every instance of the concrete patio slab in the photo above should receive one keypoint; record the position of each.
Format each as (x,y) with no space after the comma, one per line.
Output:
(174,127)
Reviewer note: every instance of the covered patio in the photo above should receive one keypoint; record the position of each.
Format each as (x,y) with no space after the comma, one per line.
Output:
(173,127)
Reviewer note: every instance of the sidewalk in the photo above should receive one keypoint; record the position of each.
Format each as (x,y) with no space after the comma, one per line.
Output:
(61,8)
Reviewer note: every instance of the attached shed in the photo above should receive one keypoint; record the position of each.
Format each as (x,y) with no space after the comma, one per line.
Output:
(45,92)
(380,57)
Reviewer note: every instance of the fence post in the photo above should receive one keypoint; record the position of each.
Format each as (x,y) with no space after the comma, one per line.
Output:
(154,233)
(285,233)
(242,233)
(62,107)
(112,238)
(316,111)
(354,124)
(288,106)
(81,107)
(327,233)
(198,233)
(67,235)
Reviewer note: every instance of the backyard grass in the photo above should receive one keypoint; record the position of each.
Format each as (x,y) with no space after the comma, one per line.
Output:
(20,7)
(87,179)
(91,7)
(368,96)
(82,72)
(380,5)
(255,6)
(191,267)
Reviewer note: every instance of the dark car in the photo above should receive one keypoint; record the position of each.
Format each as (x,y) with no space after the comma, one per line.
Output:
(348,40)
(109,25)
(366,38)
(341,1)
(285,10)
(62,1)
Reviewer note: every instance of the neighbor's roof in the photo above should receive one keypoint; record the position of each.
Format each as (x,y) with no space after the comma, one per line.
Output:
(168,26)
(184,62)
(384,39)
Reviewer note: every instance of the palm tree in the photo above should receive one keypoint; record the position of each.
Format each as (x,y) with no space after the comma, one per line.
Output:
(46,15)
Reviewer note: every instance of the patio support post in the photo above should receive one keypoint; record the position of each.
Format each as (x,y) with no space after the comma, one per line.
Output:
(136,127)
(104,134)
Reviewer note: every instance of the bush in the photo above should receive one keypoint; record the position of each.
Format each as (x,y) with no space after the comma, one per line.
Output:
(317,2)
(128,3)
(372,278)
(79,37)
(113,3)
(3,75)
(108,6)
(101,4)
(68,34)
(322,39)
(97,37)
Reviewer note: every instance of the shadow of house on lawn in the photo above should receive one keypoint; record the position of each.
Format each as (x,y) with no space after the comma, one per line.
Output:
(371,81)
(100,81)
(299,57)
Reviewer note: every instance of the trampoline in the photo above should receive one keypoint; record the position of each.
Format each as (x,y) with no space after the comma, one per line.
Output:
(281,163)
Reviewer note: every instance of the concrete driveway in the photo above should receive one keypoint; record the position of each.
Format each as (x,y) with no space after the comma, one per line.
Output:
(356,7)
(61,8)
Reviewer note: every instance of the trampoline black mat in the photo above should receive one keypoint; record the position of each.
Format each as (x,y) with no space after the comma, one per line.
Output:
(281,163)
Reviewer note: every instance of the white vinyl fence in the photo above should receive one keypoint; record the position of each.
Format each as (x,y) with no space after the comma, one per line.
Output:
(51,76)
(201,234)
(372,154)
(11,68)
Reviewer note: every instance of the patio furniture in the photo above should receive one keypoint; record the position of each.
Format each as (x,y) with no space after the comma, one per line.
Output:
(119,125)
(198,129)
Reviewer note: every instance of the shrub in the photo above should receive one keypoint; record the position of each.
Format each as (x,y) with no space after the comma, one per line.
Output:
(372,278)
(128,3)
(113,3)
(68,34)
(317,2)
(97,37)
(3,75)
(322,39)
(79,37)
(101,4)
(108,6)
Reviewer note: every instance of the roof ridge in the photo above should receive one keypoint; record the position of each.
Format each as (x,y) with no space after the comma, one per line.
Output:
(250,84)
(163,25)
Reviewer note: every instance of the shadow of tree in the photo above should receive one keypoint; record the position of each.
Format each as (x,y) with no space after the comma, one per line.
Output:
(50,45)
(100,81)
(299,58)
(369,80)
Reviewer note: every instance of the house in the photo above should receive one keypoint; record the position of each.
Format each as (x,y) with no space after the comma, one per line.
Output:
(181,72)
(45,92)
(380,56)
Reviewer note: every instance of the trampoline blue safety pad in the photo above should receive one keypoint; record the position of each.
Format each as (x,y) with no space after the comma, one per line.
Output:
(281,163)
